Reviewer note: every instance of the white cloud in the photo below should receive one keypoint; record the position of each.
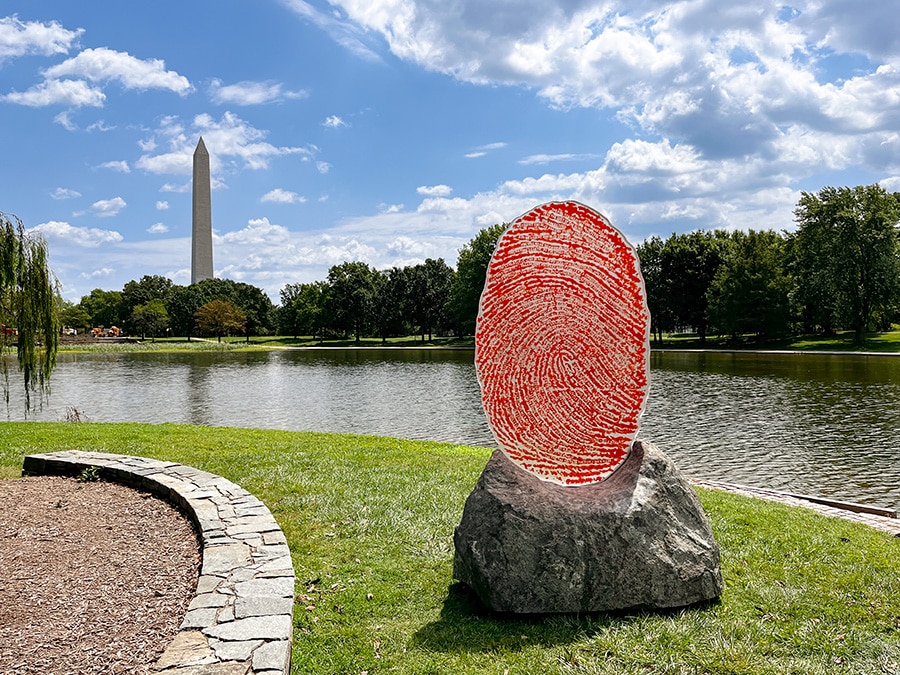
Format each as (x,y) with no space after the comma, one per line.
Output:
(280,196)
(98,274)
(344,32)
(107,208)
(334,122)
(172,187)
(158,228)
(73,93)
(121,166)
(482,150)
(18,38)
(323,167)
(162,206)
(562,157)
(88,237)
(434,190)
(64,193)
(724,81)
(252,93)
(227,139)
(107,65)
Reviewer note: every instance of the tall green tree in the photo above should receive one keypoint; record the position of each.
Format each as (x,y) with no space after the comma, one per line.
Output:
(471,272)
(103,307)
(352,289)
(74,316)
(150,317)
(429,294)
(28,298)
(751,291)
(134,293)
(256,306)
(846,255)
(688,265)
(391,302)
(650,253)
(303,309)
(181,306)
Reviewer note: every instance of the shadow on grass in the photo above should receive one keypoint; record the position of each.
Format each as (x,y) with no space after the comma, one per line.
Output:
(467,626)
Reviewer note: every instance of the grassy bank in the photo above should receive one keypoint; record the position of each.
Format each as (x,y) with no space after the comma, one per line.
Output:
(842,341)
(369,521)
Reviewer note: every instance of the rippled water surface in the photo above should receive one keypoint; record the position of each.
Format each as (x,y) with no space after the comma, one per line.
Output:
(816,424)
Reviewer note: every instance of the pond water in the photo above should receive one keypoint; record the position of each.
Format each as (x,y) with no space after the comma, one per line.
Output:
(809,423)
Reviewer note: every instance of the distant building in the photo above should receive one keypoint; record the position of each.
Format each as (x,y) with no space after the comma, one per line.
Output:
(201,230)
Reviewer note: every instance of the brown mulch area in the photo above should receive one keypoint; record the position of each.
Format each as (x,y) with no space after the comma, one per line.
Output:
(94,577)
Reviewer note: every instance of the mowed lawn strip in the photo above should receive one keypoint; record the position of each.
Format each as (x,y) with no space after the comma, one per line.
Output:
(370,522)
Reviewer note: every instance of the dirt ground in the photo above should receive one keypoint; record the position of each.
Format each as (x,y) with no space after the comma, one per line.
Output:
(94,577)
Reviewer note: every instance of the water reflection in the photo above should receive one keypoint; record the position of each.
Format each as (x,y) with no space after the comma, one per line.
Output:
(808,423)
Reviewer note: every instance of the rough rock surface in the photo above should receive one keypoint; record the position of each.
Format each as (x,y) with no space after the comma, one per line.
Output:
(637,539)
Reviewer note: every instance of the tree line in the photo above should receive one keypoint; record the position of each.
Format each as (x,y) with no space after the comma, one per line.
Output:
(839,269)
(355,301)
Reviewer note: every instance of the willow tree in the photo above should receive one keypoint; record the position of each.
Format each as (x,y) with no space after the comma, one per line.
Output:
(27,307)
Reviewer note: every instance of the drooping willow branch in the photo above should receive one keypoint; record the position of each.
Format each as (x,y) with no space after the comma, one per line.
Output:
(28,292)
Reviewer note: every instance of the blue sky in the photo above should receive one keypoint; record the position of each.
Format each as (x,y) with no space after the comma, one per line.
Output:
(391,131)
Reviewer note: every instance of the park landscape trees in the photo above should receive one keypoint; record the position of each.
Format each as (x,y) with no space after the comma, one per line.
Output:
(837,269)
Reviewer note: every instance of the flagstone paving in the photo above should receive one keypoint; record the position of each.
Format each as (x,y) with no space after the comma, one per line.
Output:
(240,619)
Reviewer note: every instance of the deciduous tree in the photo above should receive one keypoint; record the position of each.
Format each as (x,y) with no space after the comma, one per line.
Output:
(352,288)
(846,255)
(750,292)
(471,271)
(219,318)
(150,317)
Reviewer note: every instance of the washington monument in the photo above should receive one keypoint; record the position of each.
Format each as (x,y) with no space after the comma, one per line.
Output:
(201,232)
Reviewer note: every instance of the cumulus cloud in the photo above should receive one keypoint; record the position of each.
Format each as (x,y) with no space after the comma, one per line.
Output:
(727,81)
(280,196)
(77,82)
(252,93)
(19,38)
(98,274)
(158,228)
(162,206)
(434,190)
(333,122)
(107,208)
(74,93)
(107,65)
(228,139)
(323,167)
(88,237)
(64,193)
(120,166)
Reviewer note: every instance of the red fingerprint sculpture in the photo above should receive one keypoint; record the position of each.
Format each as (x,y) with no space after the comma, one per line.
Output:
(562,344)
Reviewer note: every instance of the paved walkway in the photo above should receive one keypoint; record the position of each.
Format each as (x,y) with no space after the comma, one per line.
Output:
(240,620)
(879,522)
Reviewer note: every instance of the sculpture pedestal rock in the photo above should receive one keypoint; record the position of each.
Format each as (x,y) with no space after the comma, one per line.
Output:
(637,539)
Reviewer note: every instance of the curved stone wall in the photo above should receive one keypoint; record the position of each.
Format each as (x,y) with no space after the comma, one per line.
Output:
(240,619)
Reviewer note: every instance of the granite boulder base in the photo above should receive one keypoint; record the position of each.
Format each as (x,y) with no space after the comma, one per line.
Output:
(638,539)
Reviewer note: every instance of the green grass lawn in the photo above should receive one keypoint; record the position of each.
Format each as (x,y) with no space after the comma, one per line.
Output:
(841,341)
(370,521)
